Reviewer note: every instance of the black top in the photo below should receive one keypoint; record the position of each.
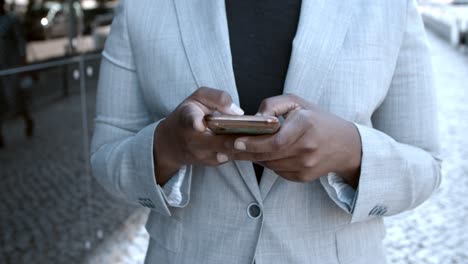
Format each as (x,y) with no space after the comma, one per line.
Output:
(261,34)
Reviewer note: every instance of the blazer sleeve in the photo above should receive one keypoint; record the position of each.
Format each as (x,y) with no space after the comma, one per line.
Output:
(400,166)
(122,145)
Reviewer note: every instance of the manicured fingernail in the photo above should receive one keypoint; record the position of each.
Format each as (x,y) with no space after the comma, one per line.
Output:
(240,145)
(221,157)
(236,109)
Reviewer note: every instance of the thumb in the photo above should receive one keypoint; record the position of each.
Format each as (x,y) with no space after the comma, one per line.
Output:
(278,106)
(216,100)
(192,116)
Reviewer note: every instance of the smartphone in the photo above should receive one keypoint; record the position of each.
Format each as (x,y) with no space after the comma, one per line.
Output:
(246,124)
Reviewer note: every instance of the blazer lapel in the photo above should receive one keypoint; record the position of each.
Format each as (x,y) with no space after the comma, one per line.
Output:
(321,31)
(320,34)
(205,35)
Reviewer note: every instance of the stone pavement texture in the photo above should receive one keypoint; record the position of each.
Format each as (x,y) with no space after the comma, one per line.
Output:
(435,232)
(51,209)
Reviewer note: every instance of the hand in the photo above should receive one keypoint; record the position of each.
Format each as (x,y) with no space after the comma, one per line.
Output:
(182,138)
(310,143)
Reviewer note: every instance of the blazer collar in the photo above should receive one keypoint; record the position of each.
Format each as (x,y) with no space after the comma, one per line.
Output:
(321,31)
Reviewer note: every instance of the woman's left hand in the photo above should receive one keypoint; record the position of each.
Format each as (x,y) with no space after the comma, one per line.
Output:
(310,143)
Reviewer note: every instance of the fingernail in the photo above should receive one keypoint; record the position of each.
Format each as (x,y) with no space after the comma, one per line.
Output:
(258,114)
(240,145)
(236,109)
(221,157)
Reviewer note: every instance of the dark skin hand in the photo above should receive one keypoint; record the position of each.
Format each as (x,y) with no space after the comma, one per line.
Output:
(182,138)
(311,143)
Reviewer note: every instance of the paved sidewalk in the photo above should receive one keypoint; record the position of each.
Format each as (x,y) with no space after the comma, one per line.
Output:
(437,231)
(51,210)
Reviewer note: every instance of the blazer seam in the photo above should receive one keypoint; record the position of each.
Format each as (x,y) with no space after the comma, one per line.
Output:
(405,25)
(115,62)
(184,44)
(130,45)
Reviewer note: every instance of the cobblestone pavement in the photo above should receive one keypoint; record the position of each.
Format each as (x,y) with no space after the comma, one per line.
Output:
(51,210)
(435,232)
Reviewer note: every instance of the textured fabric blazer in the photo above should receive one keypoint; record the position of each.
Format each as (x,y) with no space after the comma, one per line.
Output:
(366,61)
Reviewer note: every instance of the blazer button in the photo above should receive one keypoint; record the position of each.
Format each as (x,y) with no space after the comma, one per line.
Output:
(254,211)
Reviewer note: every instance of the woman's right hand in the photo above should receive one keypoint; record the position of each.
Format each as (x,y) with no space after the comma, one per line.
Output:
(183,138)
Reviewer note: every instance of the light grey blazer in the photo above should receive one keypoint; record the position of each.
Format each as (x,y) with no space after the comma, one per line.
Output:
(364,60)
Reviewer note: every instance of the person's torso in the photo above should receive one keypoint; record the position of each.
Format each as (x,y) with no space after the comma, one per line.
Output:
(342,61)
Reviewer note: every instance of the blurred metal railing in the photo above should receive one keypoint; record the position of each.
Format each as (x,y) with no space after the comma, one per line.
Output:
(79,74)
(50,64)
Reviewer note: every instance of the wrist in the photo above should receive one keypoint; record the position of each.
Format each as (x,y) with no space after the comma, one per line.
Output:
(165,165)
(351,172)
(351,177)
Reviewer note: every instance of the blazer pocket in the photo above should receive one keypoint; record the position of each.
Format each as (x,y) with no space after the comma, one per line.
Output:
(361,241)
(165,231)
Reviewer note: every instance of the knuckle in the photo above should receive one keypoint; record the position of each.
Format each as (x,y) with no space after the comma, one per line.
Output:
(309,162)
(265,104)
(197,92)
(309,122)
(186,114)
(297,99)
(304,115)
(184,108)
(202,90)
(292,97)
(223,98)
(310,145)
(306,118)
(189,114)
(280,141)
